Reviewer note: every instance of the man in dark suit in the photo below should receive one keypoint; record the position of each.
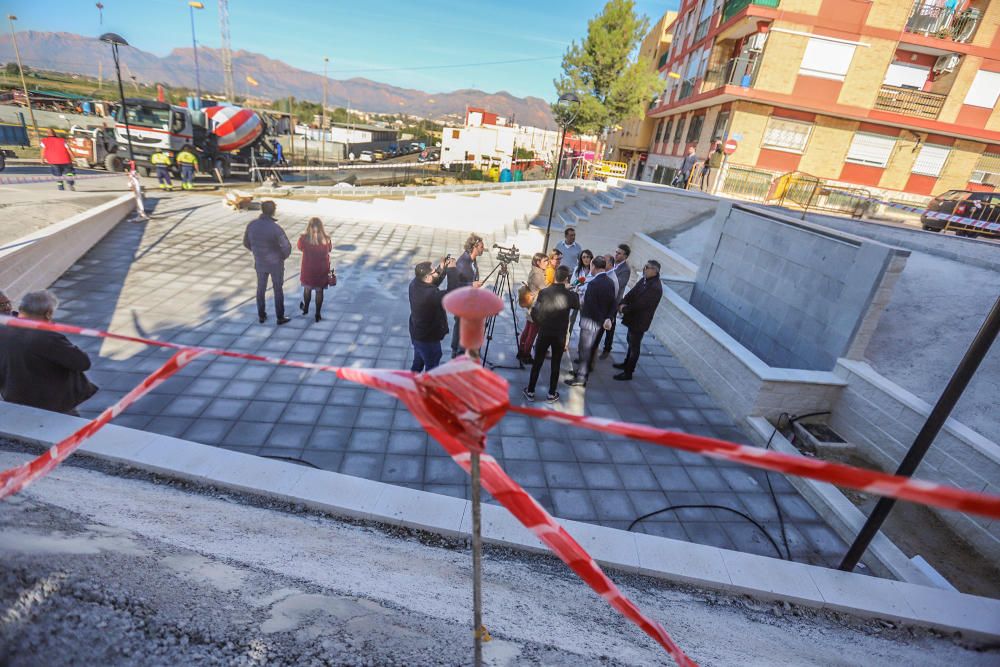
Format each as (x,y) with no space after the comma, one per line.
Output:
(551,315)
(42,369)
(596,314)
(638,308)
(463,274)
(270,247)
(623,272)
(428,320)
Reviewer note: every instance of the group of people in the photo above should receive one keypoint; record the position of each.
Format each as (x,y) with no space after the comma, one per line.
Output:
(701,172)
(567,285)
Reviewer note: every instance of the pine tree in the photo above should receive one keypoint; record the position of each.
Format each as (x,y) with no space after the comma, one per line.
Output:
(612,82)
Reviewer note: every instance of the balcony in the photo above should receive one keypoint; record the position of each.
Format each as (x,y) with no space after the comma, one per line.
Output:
(734,7)
(740,71)
(909,102)
(933,20)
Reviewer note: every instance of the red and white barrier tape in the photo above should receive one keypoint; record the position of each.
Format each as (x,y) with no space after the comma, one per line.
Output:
(48,178)
(457,403)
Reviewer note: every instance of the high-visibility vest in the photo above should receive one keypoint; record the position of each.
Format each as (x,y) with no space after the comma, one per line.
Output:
(160,158)
(187,157)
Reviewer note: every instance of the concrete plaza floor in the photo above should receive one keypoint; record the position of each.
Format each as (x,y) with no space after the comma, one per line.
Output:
(185,277)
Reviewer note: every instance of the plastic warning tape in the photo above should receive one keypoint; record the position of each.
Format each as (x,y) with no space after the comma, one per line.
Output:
(48,178)
(394,165)
(936,215)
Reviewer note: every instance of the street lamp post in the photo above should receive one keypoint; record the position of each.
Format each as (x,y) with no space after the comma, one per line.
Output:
(194,45)
(27,98)
(115,40)
(569,105)
(322,122)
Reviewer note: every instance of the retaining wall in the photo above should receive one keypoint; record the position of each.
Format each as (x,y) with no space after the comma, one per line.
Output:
(36,261)
(882,419)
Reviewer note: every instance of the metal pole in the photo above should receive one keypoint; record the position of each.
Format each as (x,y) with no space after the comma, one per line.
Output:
(194,46)
(322,123)
(555,186)
(121,94)
(24,84)
(949,397)
(477,565)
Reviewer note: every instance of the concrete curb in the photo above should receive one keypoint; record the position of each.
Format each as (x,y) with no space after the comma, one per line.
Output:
(709,567)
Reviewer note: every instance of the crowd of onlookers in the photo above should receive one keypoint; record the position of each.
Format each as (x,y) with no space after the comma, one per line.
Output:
(570,291)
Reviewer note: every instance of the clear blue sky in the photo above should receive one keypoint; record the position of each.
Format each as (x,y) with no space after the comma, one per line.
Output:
(401,42)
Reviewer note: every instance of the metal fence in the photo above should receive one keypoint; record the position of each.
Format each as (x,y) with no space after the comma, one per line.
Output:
(934,20)
(909,101)
(747,183)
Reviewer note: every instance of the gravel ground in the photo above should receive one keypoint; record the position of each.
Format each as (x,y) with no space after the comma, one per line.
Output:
(128,569)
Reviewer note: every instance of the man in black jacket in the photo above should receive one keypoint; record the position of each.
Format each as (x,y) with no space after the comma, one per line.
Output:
(428,321)
(42,369)
(596,313)
(465,273)
(270,247)
(638,308)
(551,315)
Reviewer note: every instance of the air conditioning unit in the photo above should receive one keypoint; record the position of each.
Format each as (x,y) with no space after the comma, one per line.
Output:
(756,41)
(947,63)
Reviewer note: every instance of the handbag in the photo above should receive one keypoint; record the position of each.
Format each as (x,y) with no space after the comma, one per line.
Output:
(525,298)
(332,278)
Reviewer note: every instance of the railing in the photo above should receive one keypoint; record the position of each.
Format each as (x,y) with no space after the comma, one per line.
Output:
(934,20)
(808,192)
(740,71)
(747,183)
(734,7)
(909,102)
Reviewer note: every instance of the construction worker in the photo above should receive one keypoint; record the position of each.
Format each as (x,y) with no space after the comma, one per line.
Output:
(55,153)
(189,164)
(161,160)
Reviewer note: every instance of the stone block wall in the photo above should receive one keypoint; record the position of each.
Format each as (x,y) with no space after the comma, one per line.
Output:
(882,419)
(795,294)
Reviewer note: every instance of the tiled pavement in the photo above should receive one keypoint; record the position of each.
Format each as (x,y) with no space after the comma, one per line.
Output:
(185,277)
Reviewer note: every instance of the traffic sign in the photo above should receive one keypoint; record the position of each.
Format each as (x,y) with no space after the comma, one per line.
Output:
(730,147)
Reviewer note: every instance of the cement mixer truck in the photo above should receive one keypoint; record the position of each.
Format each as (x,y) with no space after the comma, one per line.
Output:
(228,140)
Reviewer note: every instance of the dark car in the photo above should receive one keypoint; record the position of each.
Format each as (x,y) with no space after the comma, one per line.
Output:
(984,206)
(429,155)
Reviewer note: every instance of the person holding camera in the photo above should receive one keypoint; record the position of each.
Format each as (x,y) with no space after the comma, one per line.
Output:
(428,320)
(526,298)
(551,315)
(465,273)
(596,313)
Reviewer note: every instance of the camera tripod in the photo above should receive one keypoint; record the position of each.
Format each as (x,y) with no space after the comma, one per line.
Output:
(501,287)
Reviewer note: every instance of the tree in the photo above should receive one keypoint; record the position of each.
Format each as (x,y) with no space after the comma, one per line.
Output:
(611,85)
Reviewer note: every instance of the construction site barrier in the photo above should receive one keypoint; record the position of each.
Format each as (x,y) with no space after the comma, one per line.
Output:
(48,178)
(458,403)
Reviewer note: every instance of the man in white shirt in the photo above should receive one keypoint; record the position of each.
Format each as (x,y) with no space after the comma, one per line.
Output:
(570,249)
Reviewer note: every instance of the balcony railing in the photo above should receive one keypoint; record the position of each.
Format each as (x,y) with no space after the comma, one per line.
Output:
(740,71)
(909,102)
(933,20)
(734,7)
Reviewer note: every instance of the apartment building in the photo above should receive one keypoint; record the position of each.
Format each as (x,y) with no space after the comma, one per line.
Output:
(629,143)
(896,96)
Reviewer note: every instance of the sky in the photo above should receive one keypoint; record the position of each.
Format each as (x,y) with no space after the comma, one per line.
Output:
(431,45)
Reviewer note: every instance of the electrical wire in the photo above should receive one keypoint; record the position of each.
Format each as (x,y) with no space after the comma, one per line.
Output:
(774,496)
(749,518)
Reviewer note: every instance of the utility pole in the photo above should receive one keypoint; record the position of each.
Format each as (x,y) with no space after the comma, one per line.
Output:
(24,85)
(194,46)
(322,122)
(227,50)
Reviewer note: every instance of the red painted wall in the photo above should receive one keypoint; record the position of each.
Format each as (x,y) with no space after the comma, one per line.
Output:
(973,116)
(782,161)
(921,185)
(861,174)
(813,90)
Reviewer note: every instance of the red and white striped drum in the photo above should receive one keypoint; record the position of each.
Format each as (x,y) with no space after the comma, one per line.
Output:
(235,127)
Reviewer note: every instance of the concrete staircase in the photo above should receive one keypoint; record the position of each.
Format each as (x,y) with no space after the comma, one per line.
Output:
(586,203)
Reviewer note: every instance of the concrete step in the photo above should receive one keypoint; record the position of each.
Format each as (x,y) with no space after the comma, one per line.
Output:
(616,193)
(630,189)
(592,205)
(575,211)
(605,200)
(565,218)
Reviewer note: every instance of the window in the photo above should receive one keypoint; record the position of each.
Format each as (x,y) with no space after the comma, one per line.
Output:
(786,135)
(678,130)
(826,59)
(931,160)
(666,130)
(659,132)
(694,128)
(906,76)
(721,123)
(985,90)
(987,170)
(455,134)
(870,149)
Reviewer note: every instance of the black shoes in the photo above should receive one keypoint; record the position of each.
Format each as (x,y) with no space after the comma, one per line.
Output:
(576,381)
(620,366)
(605,354)
(552,398)
(262,318)
(528,395)
(284,320)
(318,316)
(303,307)
(623,376)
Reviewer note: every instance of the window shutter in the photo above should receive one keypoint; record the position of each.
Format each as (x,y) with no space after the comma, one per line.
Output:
(985,90)
(931,160)
(870,149)
(826,59)
(904,75)
(787,135)
(987,169)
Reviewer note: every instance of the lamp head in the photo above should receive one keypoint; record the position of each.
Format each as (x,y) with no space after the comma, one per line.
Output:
(568,106)
(196,5)
(11,17)
(113,38)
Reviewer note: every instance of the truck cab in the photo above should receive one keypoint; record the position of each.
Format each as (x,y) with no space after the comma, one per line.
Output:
(153,126)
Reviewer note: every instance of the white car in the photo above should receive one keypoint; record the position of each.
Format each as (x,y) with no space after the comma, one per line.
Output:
(366,156)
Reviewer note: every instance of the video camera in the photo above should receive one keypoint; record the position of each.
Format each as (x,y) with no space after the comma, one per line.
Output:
(509,255)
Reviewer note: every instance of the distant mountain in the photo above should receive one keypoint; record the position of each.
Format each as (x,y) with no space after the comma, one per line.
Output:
(71,53)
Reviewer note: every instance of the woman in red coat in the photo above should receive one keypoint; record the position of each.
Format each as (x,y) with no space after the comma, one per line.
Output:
(315,273)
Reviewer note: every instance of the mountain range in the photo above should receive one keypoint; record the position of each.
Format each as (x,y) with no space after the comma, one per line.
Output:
(77,54)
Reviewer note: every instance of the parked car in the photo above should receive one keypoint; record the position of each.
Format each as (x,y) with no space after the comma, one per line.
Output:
(378,155)
(366,156)
(976,205)
(414,147)
(432,154)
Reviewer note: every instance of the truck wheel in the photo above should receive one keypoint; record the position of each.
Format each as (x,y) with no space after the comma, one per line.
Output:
(114,163)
